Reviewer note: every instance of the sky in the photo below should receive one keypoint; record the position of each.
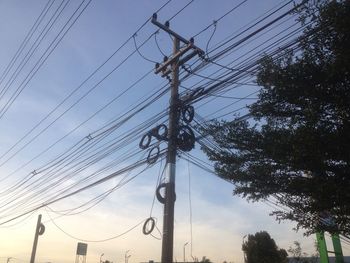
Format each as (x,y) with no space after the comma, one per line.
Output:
(40,127)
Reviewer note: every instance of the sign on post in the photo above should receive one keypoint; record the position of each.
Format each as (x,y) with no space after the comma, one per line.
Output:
(81,249)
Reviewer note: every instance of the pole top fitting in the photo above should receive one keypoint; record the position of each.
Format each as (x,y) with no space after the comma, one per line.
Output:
(167,24)
(154,16)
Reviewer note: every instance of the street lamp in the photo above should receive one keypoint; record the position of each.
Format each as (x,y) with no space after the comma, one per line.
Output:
(101,257)
(244,255)
(185,251)
(127,256)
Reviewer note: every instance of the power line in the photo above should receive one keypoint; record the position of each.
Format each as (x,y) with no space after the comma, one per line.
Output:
(59,196)
(33,48)
(80,99)
(220,18)
(85,81)
(44,57)
(26,40)
(94,240)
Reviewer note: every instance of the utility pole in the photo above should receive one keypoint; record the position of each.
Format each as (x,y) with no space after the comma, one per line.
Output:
(126,256)
(171,65)
(185,251)
(40,229)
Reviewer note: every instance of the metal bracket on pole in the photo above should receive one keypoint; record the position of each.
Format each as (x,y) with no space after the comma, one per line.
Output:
(189,45)
(175,57)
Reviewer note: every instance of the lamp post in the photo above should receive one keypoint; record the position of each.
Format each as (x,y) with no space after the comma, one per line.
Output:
(185,251)
(101,257)
(244,254)
(127,256)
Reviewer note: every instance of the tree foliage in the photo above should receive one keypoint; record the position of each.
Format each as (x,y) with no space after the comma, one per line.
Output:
(261,248)
(299,256)
(298,148)
(204,259)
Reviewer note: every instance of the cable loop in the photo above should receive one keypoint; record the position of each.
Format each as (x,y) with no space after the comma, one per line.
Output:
(146,229)
(160,132)
(185,138)
(187,114)
(153,155)
(41,229)
(160,198)
(145,141)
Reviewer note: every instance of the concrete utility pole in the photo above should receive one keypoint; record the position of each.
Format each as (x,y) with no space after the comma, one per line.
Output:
(40,229)
(171,65)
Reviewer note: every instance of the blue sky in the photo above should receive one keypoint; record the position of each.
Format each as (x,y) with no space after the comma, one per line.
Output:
(219,219)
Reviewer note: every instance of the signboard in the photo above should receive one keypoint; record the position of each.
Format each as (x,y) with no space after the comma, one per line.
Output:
(81,249)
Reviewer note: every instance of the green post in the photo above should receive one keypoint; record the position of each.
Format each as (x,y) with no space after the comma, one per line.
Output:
(322,247)
(337,249)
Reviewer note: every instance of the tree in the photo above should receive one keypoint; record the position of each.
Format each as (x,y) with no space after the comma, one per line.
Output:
(261,248)
(205,260)
(297,148)
(297,253)
(299,256)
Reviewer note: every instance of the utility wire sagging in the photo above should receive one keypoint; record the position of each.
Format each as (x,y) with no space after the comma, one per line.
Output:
(94,157)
